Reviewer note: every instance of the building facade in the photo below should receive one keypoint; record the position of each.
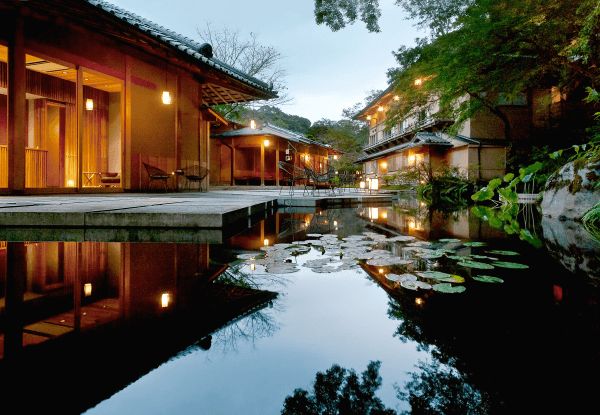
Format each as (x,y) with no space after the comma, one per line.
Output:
(90,92)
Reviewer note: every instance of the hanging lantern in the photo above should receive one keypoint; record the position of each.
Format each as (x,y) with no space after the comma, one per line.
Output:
(87,289)
(266,143)
(165,300)
(89,104)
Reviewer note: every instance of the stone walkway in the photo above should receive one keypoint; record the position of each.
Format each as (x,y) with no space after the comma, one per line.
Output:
(209,210)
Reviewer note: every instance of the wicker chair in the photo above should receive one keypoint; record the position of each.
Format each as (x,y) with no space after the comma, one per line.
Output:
(195,174)
(109,179)
(319,180)
(156,174)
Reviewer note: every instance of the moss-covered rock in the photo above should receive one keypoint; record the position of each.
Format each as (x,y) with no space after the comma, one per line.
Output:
(570,192)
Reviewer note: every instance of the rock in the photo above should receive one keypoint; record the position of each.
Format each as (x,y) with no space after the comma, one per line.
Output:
(569,193)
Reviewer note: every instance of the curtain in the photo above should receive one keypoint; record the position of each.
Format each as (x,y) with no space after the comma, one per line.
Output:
(95,132)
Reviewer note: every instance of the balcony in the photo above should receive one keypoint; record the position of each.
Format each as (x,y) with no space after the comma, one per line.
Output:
(384,137)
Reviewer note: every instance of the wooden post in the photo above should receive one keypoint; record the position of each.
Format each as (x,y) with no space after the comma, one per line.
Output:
(126,160)
(16,285)
(16,108)
(178,134)
(80,125)
(232,163)
(277,162)
(262,162)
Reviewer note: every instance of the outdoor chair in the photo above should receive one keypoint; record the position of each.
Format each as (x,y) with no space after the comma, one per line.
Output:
(156,174)
(319,180)
(109,179)
(292,174)
(195,174)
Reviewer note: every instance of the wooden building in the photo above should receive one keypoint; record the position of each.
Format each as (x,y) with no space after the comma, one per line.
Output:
(89,92)
(245,155)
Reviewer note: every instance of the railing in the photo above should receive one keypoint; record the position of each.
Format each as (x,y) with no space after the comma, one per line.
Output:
(3,166)
(382,135)
(35,167)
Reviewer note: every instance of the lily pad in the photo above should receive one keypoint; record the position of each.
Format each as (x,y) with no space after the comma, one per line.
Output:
(457,279)
(474,244)
(475,264)
(249,256)
(436,275)
(415,285)
(401,277)
(430,255)
(402,238)
(313,235)
(449,240)
(484,257)
(501,252)
(449,288)
(489,279)
(511,265)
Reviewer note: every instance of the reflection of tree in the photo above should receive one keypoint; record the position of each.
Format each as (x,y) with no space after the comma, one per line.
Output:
(340,391)
(440,389)
(257,325)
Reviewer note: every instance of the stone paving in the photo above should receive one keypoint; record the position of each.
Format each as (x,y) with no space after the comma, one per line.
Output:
(209,210)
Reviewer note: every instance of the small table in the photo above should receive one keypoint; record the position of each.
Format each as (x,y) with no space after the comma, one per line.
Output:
(89,178)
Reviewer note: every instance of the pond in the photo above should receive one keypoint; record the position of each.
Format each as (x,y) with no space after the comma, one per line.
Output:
(461,317)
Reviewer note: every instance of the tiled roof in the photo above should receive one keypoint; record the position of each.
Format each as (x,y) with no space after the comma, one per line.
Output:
(273,130)
(420,139)
(180,43)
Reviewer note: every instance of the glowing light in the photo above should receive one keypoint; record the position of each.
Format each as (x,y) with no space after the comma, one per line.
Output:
(423,204)
(369,118)
(253,124)
(87,289)
(412,224)
(166,98)
(380,108)
(266,242)
(419,301)
(89,104)
(374,184)
(381,270)
(418,82)
(165,300)
(384,214)
(266,143)
(335,223)
(411,159)
(396,98)
(335,157)
(373,213)
(384,165)
(70,183)
(252,266)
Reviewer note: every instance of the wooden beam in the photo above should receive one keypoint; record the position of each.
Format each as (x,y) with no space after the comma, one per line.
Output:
(16,108)
(262,162)
(276,161)
(80,125)
(214,91)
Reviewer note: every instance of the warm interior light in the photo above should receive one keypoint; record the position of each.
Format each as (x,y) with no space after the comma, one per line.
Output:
(418,82)
(384,165)
(411,159)
(396,98)
(369,118)
(70,183)
(307,157)
(335,157)
(384,214)
(165,299)
(266,143)
(373,213)
(266,242)
(362,184)
(419,301)
(87,289)
(380,108)
(411,224)
(381,270)
(335,223)
(374,184)
(253,124)
(89,104)
(166,98)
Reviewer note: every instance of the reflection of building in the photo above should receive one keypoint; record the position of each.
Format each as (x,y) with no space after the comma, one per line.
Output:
(244,155)
(85,103)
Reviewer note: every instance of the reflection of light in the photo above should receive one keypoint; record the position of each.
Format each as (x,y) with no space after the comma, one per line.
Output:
(87,289)
(423,204)
(381,270)
(70,183)
(419,301)
(253,124)
(411,224)
(252,266)
(266,242)
(165,299)
(373,213)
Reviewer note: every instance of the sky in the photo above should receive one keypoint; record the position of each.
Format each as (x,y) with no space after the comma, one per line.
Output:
(326,71)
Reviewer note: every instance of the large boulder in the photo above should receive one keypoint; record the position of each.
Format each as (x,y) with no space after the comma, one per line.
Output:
(569,193)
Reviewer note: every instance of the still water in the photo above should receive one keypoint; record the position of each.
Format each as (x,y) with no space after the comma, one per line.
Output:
(236,327)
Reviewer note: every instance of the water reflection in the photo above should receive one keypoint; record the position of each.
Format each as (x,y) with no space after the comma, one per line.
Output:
(109,313)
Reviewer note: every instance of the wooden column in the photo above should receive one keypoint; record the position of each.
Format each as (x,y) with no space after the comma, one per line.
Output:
(126,160)
(80,125)
(178,134)
(232,163)
(262,162)
(16,284)
(16,108)
(277,162)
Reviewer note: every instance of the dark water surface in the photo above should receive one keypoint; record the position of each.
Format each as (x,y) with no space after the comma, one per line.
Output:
(170,328)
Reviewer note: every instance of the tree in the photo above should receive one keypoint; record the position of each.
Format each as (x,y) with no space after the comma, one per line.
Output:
(249,56)
(484,51)
(338,13)
(274,116)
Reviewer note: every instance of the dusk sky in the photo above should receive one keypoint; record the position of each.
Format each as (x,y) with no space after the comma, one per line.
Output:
(327,71)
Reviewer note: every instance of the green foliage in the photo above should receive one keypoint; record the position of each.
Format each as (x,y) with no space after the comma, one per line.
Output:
(340,391)
(272,115)
(338,13)
(591,221)
(443,186)
(505,218)
(346,135)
